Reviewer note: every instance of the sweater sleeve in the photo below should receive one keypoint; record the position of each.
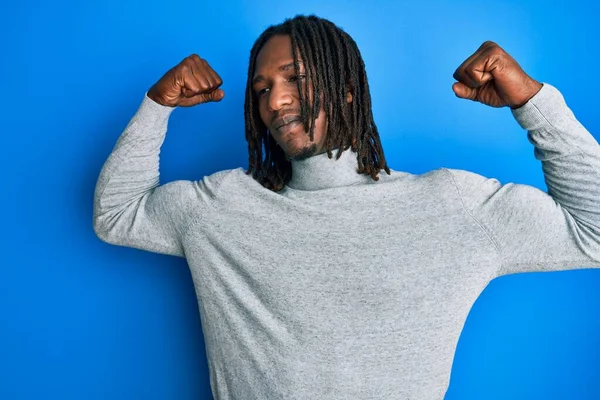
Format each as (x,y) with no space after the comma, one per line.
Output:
(533,230)
(131,208)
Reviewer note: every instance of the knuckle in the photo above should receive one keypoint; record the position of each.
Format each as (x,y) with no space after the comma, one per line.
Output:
(186,65)
(493,48)
(191,82)
(185,69)
(205,86)
(495,52)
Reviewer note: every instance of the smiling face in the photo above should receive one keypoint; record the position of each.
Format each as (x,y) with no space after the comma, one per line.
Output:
(291,63)
(275,85)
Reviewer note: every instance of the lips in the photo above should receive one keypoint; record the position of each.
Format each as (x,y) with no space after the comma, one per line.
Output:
(283,121)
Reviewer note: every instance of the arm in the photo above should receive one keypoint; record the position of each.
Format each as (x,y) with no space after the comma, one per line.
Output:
(533,230)
(130,207)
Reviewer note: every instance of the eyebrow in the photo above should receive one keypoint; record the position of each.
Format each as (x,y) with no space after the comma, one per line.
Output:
(283,68)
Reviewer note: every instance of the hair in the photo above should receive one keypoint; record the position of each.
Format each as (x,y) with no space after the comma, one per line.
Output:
(333,65)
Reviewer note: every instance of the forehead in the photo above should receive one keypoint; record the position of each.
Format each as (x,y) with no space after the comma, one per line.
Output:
(276,51)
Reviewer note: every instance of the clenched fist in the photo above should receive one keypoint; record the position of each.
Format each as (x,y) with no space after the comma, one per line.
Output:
(190,82)
(492,77)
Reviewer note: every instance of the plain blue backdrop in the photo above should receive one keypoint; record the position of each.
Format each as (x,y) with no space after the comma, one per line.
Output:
(85,320)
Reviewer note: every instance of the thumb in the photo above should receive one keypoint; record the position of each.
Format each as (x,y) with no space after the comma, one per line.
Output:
(216,95)
(463,91)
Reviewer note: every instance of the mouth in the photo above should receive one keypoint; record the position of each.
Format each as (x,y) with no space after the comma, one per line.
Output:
(286,122)
(291,128)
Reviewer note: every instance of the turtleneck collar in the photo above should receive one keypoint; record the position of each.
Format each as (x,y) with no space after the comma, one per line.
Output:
(321,172)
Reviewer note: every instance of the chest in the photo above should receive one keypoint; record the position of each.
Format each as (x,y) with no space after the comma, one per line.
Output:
(385,257)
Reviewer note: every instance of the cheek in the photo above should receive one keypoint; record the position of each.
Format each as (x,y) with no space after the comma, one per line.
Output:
(264,114)
(321,125)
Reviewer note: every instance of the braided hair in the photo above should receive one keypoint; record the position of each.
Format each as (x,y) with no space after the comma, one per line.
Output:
(333,66)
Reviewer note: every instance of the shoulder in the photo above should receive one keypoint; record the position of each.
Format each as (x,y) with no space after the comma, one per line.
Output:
(188,193)
(463,177)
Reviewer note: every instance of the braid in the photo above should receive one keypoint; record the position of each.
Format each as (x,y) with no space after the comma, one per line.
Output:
(321,45)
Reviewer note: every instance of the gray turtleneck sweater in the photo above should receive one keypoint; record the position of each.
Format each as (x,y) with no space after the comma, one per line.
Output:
(341,287)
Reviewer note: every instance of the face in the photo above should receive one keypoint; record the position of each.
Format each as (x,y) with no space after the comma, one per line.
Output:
(275,85)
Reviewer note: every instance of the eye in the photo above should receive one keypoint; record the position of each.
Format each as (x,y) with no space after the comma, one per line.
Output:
(262,91)
(294,78)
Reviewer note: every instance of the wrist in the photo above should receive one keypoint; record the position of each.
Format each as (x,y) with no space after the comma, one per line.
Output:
(533,88)
(155,97)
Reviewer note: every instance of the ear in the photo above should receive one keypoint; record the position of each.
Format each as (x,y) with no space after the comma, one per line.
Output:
(348,97)
(349,93)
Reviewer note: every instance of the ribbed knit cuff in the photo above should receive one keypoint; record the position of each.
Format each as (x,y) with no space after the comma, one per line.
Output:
(150,113)
(548,105)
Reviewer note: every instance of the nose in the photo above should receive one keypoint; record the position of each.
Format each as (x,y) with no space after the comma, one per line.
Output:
(279,97)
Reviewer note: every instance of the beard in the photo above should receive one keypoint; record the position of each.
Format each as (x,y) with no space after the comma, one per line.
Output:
(302,153)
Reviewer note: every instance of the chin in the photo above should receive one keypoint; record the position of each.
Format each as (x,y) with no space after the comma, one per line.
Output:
(302,153)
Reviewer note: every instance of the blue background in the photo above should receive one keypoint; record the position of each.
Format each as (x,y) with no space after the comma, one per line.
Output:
(85,320)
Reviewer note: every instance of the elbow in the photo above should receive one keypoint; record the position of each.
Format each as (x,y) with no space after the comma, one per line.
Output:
(101,229)
(588,239)
(105,219)
(106,232)
(99,218)
(104,225)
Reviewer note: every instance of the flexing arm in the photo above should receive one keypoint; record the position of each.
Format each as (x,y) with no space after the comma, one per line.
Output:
(533,230)
(130,207)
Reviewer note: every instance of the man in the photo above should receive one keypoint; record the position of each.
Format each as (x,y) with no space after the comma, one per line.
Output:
(319,277)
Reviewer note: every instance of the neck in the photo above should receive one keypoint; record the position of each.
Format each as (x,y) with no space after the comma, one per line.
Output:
(321,172)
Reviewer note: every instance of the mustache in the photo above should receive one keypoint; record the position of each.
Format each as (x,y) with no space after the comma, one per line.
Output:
(285,117)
